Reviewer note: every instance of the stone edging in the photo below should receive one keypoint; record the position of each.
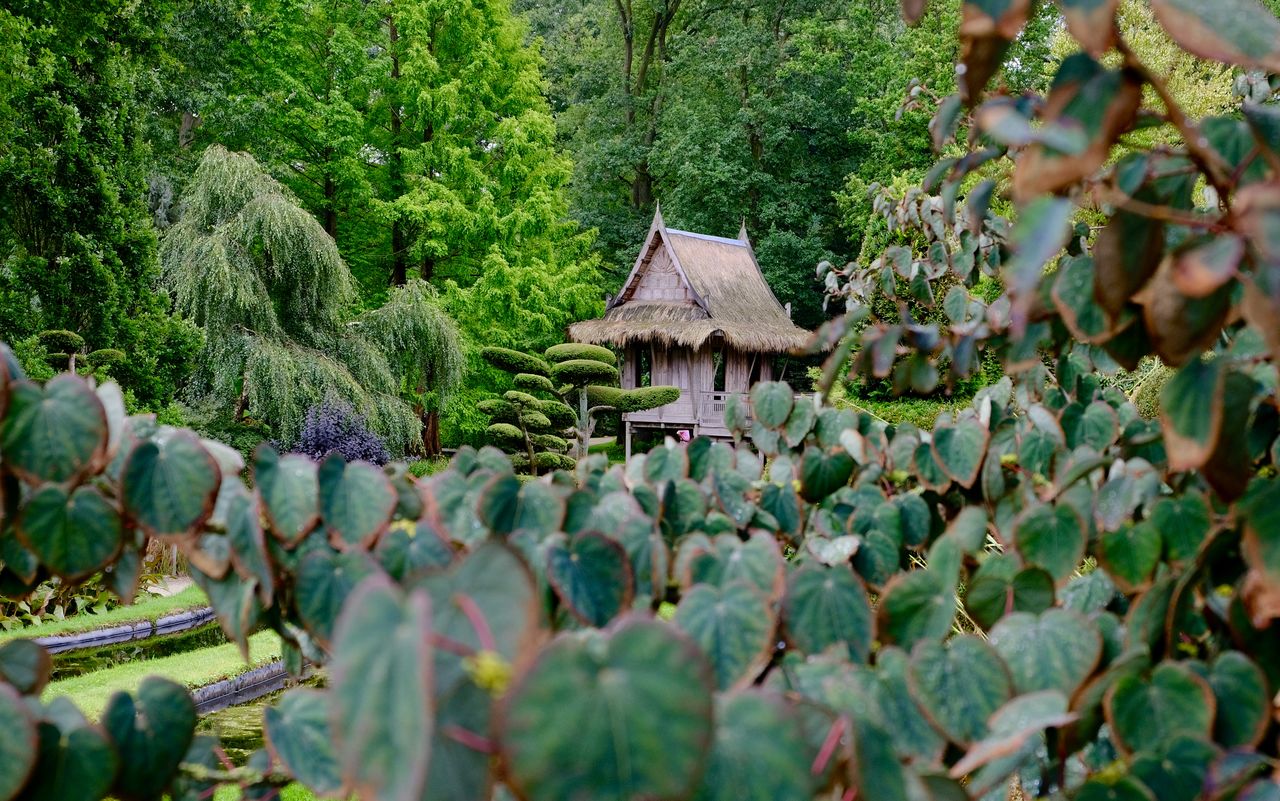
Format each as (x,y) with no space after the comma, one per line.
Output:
(127,632)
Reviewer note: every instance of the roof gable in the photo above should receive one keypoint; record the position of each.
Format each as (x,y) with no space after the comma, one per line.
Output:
(658,273)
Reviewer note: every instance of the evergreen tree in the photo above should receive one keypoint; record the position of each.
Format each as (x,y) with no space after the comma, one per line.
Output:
(77,250)
(265,281)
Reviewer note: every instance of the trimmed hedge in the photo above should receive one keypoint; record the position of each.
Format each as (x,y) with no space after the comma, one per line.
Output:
(535,420)
(105,357)
(61,341)
(513,361)
(499,410)
(549,442)
(583,372)
(531,382)
(506,434)
(633,400)
(520,399)
(576,350)
(547,460)
(560,415)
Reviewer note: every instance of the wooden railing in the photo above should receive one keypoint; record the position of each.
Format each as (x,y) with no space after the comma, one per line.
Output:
(714,403)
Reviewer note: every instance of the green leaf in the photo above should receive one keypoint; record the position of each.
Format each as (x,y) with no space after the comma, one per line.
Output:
(152,730)
(1242,33)
(733,625)
(297,728)
(913,736)
(1074,299)
(800,423)
(959,685)
(1183,523)
(381,710)
(822,472)
(960,448)
(1177,772)
(409,549)
(1091,23)
(771,403)
(499,502)
(74,536)
(999,586)
(1242,699)
(626,713)
(756,560)
(324,581)
(759,753)
(969,529)
(289,491)
(1131,554)
(1056,650)
(243,517)
(1191,412)
(77,762)
(169,485)
(877,773)
(1148,713)
(356,501)
(236,604)
(1051,537)
(915,606)
(929,469)
(58,433)
(1113,787)
(591,575)
(1041,231)
(25,665)
(1012,726)
(825,606)
(18,747)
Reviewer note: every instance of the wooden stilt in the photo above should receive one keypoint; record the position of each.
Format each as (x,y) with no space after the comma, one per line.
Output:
(627,427)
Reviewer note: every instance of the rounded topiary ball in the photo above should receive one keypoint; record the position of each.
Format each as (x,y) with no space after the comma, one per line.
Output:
(105,357)
(553,461)
(584,372)
(531,382)
(560,415)
(513,361)
(61,341)
(506,435)
(578,350)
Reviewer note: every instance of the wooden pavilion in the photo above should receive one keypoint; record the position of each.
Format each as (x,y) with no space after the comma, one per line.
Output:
(695,313)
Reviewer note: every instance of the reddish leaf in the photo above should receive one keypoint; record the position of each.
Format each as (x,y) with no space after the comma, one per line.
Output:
(1091,23)
(1201,266)
(1239,32)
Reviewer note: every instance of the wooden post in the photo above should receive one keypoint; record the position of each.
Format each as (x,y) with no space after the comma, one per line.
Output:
(627,448)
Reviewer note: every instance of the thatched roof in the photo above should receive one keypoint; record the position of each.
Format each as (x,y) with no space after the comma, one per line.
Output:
(722,291)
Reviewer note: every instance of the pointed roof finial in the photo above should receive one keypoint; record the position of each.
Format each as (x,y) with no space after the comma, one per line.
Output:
(657,212)
(742,232)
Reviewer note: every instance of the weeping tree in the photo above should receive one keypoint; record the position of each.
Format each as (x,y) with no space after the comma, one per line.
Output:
(276,301)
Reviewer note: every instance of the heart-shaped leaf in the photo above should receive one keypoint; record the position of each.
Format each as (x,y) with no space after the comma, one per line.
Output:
(153,729)
(914,737)
(1177,771)
(960,448)
(822,472)
(771,403)
(1091,23)
(1131,554)
(828,605)
(297,730)
(929,468)
(1183,523)
(1240,689)
(290,493)
(626,713)
(1056,650)
(1238,32)
(243,520)
(915,606)
(733,625)
(591,575)
(356,501)
(55,433)
(409,549)
(759,753)
(169,485)
(1051,537)
(959,685)
(1191,413)
(25,665)
(381,710)
(757,560)
(18,747)
(999,586)
(1146,713)
(1012,726)
(1113,787)
(77,762)
(325,580)
(74,536)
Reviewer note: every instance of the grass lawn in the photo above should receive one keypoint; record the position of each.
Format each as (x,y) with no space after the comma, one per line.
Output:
(294,792)
(148,607)
(192,669)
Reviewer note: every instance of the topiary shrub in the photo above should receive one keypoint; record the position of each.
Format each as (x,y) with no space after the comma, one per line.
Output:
(61,341)
(513,361)
(578,376)
(105,358)
(334,426)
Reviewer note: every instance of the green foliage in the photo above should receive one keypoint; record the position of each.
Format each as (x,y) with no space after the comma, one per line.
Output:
(578,350)
(105,358)
(514,361)
(1025,627)
(633,400)
(61,341)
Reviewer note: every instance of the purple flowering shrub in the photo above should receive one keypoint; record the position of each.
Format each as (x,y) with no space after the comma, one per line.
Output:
(335,426)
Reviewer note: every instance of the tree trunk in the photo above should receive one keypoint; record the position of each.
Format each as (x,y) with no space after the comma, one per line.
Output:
(431,447)
(584,425)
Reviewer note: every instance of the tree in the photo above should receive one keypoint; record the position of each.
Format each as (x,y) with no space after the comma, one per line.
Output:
(76,244)
(581,382)
(277,303)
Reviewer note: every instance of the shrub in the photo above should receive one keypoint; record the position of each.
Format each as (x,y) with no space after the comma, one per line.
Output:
(60,341)
(633,400)
(1046,589)
(105,358)
(578,350)
(534,383)
(333,426)
(513,361)
(584,372)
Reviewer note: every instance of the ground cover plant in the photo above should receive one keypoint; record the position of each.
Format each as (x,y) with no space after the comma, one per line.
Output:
(1047,588)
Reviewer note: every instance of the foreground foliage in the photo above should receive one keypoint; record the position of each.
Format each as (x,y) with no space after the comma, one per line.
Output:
(1047,588)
